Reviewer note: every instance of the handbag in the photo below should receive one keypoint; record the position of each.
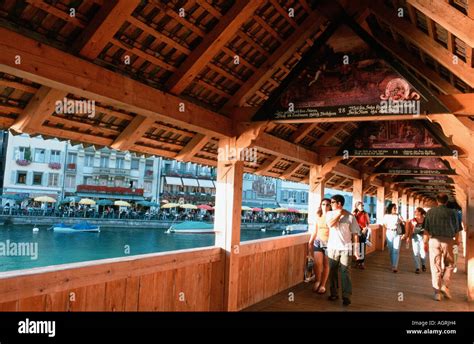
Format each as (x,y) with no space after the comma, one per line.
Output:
(400,228)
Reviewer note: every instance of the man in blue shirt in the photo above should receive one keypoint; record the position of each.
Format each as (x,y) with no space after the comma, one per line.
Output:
(442,230)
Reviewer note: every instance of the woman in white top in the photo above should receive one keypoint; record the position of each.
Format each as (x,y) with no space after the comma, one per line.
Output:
(393,224)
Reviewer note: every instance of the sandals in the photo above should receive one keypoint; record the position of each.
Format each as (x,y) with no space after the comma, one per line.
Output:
(321,290)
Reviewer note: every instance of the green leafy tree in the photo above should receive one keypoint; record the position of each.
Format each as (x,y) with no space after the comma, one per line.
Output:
(28,154)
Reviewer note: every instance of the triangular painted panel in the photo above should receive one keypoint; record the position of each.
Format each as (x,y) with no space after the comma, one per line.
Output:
(347,77)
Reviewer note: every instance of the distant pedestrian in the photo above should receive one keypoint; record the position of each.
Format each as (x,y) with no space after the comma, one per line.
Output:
(363,220)
(415,231)
(442,226)
(343,234)
(393,223)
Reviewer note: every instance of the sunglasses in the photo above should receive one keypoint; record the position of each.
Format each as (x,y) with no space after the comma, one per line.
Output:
(325,204)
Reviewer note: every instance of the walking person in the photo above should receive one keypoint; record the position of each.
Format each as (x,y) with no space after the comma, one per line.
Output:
(442,227)
(363,220)
(343,233)
(415,231)
(393,223)
(318,243)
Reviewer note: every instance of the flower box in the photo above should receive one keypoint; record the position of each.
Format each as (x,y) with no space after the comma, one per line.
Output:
(23,162)
(54,165)
(71,166)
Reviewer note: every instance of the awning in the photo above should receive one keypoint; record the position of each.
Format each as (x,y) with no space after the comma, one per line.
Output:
(173,181)
(190,182)
(204,183)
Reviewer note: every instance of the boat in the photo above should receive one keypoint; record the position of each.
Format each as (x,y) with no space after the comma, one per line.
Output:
(79,227)
(293,229)
(191,227)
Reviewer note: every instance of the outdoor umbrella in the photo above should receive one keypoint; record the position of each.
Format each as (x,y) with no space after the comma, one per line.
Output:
(293,210)
(104,202)
(188,206)
(87,201)
(257,209)
(122,204)
(14,197)
(205,207)
(169,205)
(245,208)
(164,201)
(269,210)
(303,211)
(44,199)
(144,203)
(281,210)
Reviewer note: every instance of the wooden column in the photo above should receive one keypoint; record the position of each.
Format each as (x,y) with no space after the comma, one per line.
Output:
(380,203)
(357,192)
(404,207)
(316,194)
(470,242)
(395,197)
(228,217)
(417,202)
(411,207)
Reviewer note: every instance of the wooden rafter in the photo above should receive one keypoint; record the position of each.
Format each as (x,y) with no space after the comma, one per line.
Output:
(423,42)
(192,147)
(267,165)
(57,13)
(103,27)
(134,131)
(278,58)
(40,107)
(212,44)
(459,104)
(57,69)
(301,132)
(291,170)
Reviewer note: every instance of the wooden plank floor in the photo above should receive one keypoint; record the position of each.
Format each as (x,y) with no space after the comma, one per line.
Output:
(377,289)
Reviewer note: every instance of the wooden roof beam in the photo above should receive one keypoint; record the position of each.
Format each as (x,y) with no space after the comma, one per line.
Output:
(192,147)
(278,57)
(134,131)
(459,104)
(413,62)
(39,108)
(301,132)
(270,144)
(103,27)
(56,69)
(212,43)
(292,169)
(448,17)
(423,42)
(267,165)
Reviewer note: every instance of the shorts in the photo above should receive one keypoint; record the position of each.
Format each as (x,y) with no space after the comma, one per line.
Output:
(320,246)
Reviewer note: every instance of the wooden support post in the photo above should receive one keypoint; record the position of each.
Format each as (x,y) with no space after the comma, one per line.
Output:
(357,191)
(316,194)
(411,207)
(404,208)
(380,203)
(417,202)
(395,197)
(470,243)
(228,217)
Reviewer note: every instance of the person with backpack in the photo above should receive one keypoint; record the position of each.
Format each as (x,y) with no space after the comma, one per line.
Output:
(393,225)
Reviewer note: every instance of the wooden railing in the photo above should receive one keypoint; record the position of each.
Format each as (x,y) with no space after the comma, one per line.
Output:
(188,280)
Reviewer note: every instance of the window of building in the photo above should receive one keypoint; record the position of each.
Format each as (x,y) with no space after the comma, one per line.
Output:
(135,164)
(55,156)
(147,186)
(53,179)
(70,181)
(37,178)
(40,155)
(104,161)
(119,162)
(88,180)
(21,178)
(71,158)
(21,153)
(89,160)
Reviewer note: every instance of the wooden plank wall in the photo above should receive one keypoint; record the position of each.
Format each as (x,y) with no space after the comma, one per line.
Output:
(190,280)
(269,266)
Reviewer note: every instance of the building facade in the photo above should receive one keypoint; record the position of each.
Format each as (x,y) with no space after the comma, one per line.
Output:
(36,167)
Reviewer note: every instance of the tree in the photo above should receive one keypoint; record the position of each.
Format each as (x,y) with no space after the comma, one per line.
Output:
(28,154)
